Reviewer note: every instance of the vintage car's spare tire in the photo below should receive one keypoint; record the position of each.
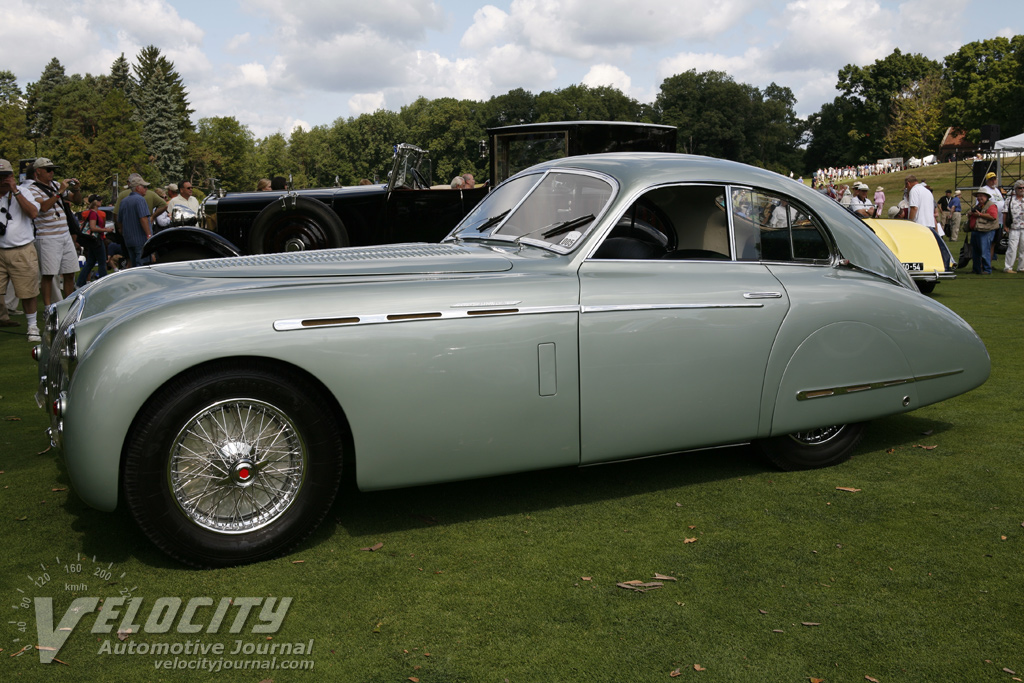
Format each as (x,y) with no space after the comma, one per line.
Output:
(813,448)
(233,463)
(295,223)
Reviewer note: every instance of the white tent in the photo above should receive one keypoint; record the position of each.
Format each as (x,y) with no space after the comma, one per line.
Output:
(1014,143)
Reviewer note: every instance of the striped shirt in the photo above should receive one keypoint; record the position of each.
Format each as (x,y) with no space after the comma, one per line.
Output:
(52,224)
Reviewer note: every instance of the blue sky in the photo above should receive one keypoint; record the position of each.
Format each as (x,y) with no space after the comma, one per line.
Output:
(277,64)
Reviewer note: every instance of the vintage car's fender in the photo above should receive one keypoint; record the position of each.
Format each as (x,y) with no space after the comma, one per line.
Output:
(886,352)
(141,351)
(189,242)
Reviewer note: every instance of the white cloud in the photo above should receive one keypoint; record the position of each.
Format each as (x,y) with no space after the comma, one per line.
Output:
(254,75)
(608,75)
(365,103)
(238,42)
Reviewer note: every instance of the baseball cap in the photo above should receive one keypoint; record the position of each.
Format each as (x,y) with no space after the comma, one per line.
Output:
(43,162)
(988,175)
(134,180)
(5,166)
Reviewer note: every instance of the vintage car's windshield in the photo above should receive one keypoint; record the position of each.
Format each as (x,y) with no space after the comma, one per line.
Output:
(554,209)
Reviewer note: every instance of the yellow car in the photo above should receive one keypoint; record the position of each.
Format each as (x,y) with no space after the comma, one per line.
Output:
(920,250)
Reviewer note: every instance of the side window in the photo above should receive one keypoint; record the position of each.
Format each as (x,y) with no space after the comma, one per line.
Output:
(772,228)
(678,222)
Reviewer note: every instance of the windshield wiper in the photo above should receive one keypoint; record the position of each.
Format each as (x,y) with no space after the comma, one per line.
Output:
(492,220)
(567,226)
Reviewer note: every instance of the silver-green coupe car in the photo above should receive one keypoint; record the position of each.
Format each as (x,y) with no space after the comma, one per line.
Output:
(589,309)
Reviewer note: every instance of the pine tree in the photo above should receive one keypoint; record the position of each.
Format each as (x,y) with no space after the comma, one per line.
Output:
(118,148)
(43,96)
(160,128)
(147,63)
(121,77)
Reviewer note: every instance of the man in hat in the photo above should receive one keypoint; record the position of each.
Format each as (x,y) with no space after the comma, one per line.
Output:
(155,202)
(860,204)
(944,209)
(57,251)
(133,214)
(983,220)
(19,262)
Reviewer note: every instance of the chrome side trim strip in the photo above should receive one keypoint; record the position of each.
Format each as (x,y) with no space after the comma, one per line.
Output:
(763,295)
(811,394)
(500,309)
(660,307)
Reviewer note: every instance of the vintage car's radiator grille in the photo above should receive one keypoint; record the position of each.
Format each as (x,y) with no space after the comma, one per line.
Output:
(333,256)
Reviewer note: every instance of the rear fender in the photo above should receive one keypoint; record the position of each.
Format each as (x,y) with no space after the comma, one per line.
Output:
(190,238)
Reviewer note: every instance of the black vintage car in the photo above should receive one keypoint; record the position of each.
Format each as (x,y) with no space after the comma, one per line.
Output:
(406,209)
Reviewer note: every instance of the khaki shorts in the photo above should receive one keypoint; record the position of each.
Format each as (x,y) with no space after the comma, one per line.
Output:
(20,267)
(57,255)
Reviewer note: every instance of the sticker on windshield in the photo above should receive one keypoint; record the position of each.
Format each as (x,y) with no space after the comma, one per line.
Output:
(570,239)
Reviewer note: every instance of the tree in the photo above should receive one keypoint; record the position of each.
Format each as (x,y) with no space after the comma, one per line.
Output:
(149,66)
(121,77)
(514,108)
(271,156)
(916,126)
(831,142)
(42,99)
(118,148)
(14,143)
(365,145)
(451,130)
(986,85)
(160,126)
(583,103)
(221,148)
(872,90)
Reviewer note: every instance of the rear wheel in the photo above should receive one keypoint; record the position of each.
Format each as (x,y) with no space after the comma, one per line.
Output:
(233,464)
(926,287)
(813,448)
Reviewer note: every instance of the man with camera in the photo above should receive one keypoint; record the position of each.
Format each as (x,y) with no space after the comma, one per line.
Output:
(19,264)
(57,252)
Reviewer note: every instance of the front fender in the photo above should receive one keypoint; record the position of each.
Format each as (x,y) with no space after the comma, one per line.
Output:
(190,238)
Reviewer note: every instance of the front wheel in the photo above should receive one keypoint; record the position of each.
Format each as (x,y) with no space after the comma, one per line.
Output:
(813,448)
(233,464)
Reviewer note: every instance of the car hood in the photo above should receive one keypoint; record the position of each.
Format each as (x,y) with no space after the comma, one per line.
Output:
(143,286)
(392,259)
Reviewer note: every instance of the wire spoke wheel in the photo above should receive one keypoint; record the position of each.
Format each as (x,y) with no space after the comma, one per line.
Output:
(236,466)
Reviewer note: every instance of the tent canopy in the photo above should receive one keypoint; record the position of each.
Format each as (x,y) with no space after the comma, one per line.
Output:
(1015,143)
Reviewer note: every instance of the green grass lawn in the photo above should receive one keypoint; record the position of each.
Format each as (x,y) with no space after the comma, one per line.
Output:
(915,577)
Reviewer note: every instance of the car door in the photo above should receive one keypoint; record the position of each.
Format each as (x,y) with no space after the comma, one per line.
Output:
(675,332)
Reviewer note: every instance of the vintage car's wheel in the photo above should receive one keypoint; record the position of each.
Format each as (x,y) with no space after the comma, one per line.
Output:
(926,286)
(232,464)
(813,448)
(296,224)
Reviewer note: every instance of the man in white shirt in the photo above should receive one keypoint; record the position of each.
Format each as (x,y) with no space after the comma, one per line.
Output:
(19,263)
(922,210)
(184,197)
(860,204)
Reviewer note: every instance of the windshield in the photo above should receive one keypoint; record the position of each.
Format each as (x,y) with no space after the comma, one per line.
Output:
(554,209)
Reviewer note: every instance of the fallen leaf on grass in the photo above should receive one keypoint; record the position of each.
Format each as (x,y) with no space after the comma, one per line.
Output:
(662,577)
(927,448)
(689,540)
(869,678)
(692,526)
(12,418)
(698,667)
(817,680)
(891,450)
(60,489)
(301,561)
(122,634)
(1002,538)
(45,450)
(1009,671)
(849,489)
(679,505)
(810,623)
(375,546)
(777,630)
(413,679)
(674,674)
(763,611)
(20,519)
(640,586)
(586,578)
